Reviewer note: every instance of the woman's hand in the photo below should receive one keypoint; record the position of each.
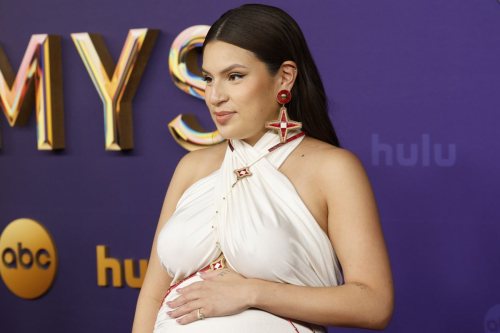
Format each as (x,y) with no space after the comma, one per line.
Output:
(223,292)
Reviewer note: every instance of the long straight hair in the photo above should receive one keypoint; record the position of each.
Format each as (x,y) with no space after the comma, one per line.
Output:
(274,37)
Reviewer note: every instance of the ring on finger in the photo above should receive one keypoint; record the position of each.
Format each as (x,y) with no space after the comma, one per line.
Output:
(200,315)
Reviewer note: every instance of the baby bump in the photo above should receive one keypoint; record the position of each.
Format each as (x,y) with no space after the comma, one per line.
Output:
(249,321)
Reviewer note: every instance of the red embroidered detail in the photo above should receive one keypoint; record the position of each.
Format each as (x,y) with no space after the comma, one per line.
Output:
(242,173)
(217,265)
(283,124)
(298,135)
(296,330)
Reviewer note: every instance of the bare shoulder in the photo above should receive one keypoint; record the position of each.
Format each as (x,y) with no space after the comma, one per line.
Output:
(334,167)
(325,156)
(198,164)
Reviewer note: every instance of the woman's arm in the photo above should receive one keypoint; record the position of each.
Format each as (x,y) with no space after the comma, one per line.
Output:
(367,298)
(157,281)
(349,305)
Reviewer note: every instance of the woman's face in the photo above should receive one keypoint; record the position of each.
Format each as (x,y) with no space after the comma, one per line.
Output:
(240,93)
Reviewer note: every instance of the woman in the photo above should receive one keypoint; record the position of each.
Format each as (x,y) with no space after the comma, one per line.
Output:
(283,225)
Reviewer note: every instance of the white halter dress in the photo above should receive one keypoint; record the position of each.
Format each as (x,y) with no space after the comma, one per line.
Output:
(263,228)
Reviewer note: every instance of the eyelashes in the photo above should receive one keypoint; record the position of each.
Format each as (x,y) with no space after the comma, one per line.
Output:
(232,77)
(236,75)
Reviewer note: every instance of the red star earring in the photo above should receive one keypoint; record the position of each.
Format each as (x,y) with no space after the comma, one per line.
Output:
(283,123)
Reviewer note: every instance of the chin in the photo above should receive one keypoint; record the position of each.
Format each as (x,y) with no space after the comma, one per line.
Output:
(229,132)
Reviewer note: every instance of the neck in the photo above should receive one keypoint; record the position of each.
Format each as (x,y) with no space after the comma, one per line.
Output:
(255,138)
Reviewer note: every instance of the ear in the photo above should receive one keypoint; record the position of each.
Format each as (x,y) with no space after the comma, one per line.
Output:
(287,75)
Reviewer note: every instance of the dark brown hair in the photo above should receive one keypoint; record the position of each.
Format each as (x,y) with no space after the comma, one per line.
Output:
(274,37)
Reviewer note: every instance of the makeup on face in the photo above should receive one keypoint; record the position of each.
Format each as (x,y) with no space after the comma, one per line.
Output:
(223,117)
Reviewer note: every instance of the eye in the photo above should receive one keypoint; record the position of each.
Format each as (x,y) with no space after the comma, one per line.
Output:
(207,79)
(235,77)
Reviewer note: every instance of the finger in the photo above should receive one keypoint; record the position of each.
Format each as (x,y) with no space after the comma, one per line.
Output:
(183,299)
(185,309)
(190,317)
(191,287)
(207,275)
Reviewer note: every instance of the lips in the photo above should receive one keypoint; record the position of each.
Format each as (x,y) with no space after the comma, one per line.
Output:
(223,116)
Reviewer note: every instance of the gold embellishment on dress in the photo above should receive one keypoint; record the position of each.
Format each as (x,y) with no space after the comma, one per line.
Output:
(218,263)
(243,172)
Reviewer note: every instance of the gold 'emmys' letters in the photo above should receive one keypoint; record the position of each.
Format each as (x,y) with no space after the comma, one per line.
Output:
(184,70)
(116,84)
(39,79)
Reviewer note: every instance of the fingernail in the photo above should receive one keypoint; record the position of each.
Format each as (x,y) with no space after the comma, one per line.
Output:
(169,313)
(169,303)
(178,320)
(179,289)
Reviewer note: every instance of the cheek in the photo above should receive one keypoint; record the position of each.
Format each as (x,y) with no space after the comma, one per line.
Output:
(255,98)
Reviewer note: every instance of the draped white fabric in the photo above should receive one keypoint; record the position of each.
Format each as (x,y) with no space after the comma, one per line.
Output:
(265,231)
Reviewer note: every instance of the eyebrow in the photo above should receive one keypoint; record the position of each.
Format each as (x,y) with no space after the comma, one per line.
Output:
(227,69)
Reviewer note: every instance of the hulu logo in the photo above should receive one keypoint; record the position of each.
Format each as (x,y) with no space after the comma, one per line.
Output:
(425,153)
(133,278)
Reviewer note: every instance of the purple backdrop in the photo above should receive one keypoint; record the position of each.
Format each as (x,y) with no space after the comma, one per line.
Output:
(415,92)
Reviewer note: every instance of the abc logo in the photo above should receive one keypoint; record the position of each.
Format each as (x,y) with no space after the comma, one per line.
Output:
(28,261)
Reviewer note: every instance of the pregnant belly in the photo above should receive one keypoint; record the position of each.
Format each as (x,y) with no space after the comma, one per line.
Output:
(249,321)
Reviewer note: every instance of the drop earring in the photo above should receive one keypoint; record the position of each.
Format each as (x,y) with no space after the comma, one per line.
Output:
(283,123)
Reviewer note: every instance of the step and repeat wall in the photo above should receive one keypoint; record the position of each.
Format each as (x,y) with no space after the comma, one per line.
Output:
(101,99)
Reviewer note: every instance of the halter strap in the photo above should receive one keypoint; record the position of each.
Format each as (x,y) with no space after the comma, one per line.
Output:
(249,155)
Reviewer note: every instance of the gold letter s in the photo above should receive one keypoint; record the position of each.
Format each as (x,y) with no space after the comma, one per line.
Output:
(187,76)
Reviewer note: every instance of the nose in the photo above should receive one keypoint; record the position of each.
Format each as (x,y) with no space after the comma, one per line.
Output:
(216,94)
